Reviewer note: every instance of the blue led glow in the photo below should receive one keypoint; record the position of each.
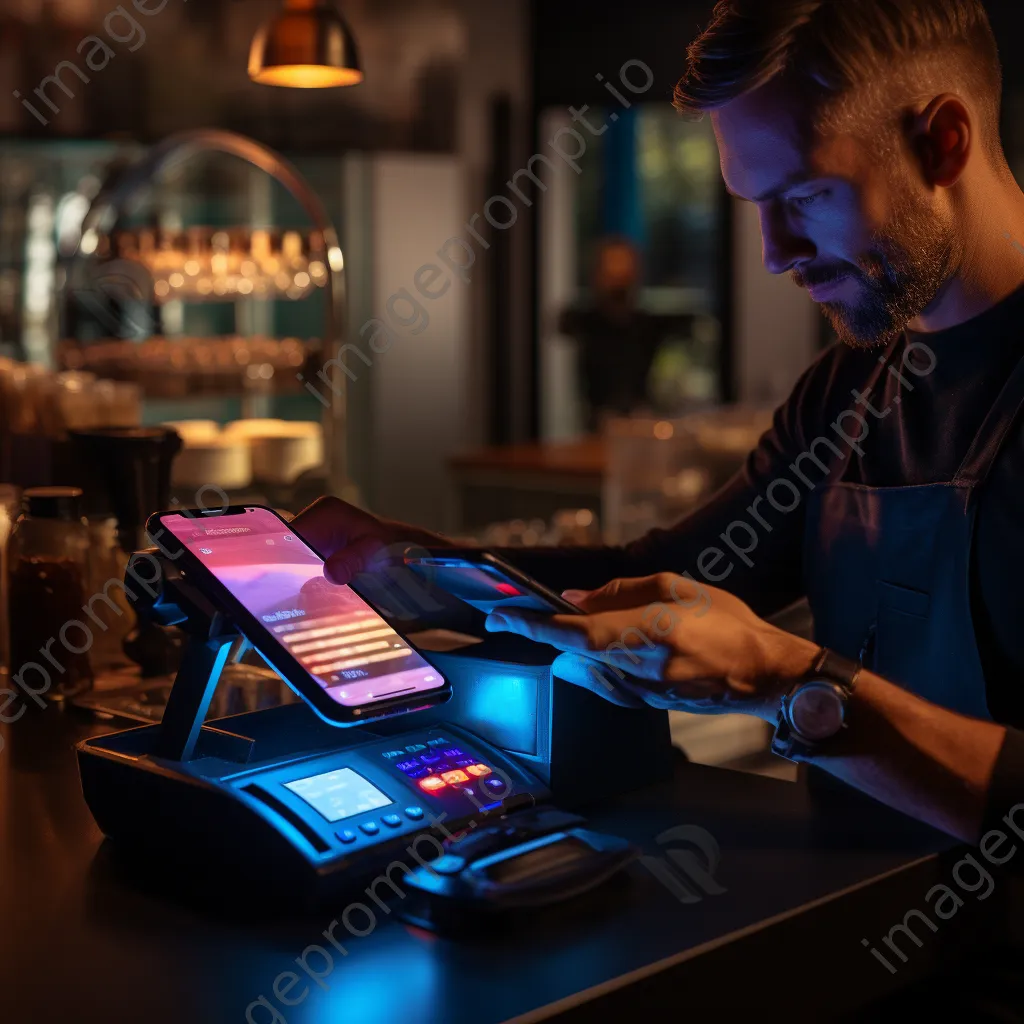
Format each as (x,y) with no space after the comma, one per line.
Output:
(502,708)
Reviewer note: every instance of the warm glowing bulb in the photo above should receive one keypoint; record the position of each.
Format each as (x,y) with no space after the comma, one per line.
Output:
(307,76)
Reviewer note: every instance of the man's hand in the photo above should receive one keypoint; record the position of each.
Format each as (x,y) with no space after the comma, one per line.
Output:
(669,642)
(353,541)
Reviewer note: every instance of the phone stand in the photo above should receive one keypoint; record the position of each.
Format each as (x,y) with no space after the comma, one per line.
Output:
(210,637)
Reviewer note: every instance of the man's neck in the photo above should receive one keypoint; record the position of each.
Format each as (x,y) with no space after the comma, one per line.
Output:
(991,266)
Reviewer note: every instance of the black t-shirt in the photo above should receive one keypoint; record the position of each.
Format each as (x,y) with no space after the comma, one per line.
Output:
(932,421)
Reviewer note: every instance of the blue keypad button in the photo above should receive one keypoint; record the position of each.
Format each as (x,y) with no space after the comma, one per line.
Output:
(453,752)
(392,820)
(430,758)
(408,766)
(371,828)
(414,812)
(346,835)
(462,762)
(447,864)
(497,785)
(419,773)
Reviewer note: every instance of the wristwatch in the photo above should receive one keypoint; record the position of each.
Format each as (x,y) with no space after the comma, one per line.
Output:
(814,711)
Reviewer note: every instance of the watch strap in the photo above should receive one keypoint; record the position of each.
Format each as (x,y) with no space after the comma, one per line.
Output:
(836,669)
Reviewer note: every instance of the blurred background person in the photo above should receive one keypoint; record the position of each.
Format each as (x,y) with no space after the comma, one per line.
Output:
(616,339)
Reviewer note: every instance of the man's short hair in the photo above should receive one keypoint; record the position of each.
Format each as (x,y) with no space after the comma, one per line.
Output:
(829,48)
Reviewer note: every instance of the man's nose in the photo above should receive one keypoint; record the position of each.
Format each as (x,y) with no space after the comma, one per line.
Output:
(782,247)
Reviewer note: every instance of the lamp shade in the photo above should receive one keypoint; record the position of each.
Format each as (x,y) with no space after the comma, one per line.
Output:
(307,46)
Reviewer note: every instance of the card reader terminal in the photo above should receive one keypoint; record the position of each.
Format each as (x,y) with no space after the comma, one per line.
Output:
(317,816)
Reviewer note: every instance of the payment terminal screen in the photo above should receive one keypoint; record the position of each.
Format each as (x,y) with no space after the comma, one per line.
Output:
(339,794)
(331,631)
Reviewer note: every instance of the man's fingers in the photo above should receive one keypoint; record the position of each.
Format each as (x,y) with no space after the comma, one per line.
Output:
(566,632)
(592,675)
(662,588)
(610,637)
(330,524)
(361,555)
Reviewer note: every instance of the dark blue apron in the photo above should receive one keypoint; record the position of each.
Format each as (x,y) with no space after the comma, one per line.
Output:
(888,571)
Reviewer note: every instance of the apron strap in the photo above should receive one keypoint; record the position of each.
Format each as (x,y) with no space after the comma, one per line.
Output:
(994,430)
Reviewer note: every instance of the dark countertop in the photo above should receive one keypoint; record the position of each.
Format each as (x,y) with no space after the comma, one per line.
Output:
(804,879)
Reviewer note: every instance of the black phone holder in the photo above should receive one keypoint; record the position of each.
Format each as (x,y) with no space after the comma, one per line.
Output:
(210,638)
(218,791)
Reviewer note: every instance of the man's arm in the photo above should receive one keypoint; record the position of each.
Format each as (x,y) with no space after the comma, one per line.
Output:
(921,759)
(737,541)
(748,538)
(671,643)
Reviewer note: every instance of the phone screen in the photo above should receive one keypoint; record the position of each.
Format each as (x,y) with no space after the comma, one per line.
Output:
(483,586)
(331,631)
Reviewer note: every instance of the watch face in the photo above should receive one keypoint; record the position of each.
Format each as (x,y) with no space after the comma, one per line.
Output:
(816,711)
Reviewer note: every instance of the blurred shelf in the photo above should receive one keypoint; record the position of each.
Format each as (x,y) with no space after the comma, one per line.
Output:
(528,481)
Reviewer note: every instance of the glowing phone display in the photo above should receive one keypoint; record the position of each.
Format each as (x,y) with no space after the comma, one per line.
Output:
(330,630)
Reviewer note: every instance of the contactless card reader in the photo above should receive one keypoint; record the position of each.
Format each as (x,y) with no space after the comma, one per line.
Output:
(280,794)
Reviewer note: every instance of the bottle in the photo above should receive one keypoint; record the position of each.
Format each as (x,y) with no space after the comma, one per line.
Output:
(51,631)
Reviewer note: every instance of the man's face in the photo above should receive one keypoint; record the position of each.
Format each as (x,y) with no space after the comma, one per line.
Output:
(851,221)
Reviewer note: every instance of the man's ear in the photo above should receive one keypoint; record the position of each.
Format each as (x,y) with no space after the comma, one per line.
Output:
(942,136)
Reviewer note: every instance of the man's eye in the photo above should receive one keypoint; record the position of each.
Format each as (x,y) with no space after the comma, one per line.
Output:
(804,201)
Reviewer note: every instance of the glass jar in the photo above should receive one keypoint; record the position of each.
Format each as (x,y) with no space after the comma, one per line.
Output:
(50,628)
(111,618)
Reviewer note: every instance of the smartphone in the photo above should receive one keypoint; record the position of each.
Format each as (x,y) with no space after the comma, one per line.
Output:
(326,641)
(483,580)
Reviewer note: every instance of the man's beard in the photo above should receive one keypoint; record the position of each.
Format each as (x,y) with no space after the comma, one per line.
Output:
(898,278)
